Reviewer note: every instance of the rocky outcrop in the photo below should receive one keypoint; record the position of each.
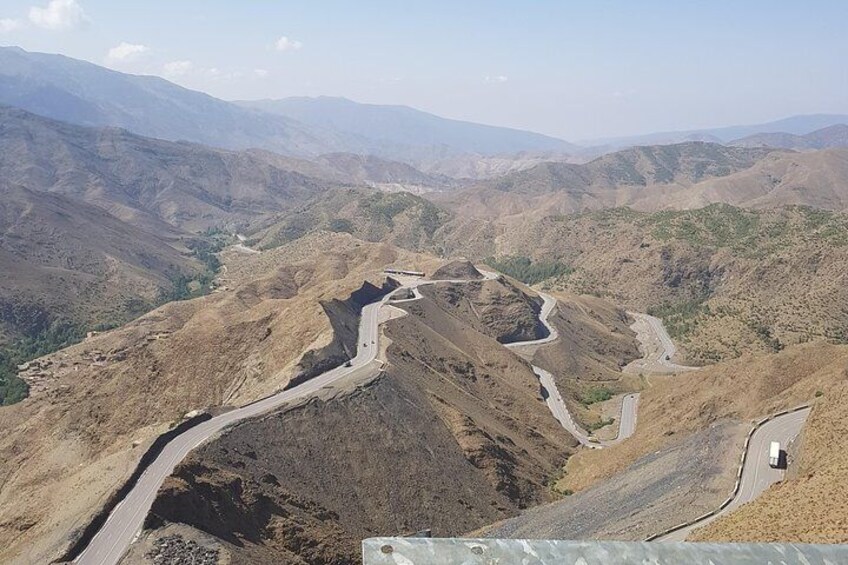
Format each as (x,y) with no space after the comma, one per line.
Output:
(495,308)
(462,270)
(174,550)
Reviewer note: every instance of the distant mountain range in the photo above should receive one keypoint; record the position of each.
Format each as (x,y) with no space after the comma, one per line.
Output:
(825,138)
(82,93)
(797,125)
(401,131)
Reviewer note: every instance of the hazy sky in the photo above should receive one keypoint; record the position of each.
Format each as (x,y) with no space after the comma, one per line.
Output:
(572,69)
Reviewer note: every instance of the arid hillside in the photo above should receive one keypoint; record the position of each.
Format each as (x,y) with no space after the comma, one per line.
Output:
(145,181)
(682,460)
(725,280)
(401,218)
(816,179)
(641,177)
(741,390)
(675,177)
(96,406)
(809,506)
(452,403)
(69,261)
(70,267)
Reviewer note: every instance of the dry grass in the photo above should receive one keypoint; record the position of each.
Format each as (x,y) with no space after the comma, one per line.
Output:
(812,507)
(741,390)
(64,450)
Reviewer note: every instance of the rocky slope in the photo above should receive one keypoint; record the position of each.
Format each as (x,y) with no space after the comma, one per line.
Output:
(682,460)
(494,308)
(725,280)
(67,447)
(451,403)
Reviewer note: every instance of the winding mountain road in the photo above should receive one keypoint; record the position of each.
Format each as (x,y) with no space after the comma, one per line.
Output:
(554,400)
(125,522)
(112,540)
(656,345)
(757,475)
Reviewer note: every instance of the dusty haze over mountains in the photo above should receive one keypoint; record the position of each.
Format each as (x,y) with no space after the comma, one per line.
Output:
(256,307)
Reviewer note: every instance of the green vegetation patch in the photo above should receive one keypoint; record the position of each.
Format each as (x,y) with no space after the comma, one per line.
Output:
(185,287)
(528,271)
(599,394)
(748,233)
(680,318)
(58,335)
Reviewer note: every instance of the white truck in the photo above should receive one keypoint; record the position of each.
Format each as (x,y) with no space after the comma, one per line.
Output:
(774,455)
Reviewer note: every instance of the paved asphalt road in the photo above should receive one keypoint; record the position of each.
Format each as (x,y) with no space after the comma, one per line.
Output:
(757,476)
(627,421)
(113,539)
(111,542)
(554,399)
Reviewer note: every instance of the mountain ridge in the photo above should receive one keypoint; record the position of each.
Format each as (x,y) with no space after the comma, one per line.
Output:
(404,127)
(84,93)
(825,138)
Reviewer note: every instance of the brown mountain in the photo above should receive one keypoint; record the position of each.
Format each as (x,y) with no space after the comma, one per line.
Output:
(825,138)
(143,180)
(815,179)
(68,260)
(642,177)
(678,177)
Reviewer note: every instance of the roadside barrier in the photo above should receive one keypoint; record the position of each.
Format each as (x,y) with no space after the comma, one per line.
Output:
(738,483)
(85,535)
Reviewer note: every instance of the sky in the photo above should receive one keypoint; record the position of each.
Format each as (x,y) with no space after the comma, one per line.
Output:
(575,70)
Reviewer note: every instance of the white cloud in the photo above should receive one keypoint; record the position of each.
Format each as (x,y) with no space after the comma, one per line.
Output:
(260,73)
(59,14)
(497,78)
(125,52)
(177,68)
(286,44)
(9,24)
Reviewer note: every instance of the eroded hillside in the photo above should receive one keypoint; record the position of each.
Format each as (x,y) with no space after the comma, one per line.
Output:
(682,460)
(724,280)
(67,447)
(452,436)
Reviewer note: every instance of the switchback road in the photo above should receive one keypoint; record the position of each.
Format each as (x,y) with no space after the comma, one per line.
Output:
(657,347)
(757,475)
(112,540)
(554,400)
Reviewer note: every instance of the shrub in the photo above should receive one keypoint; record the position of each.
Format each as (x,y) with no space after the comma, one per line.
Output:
(528,271)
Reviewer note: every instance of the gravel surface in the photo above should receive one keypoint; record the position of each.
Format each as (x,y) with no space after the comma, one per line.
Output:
(176,550)
(657,491)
